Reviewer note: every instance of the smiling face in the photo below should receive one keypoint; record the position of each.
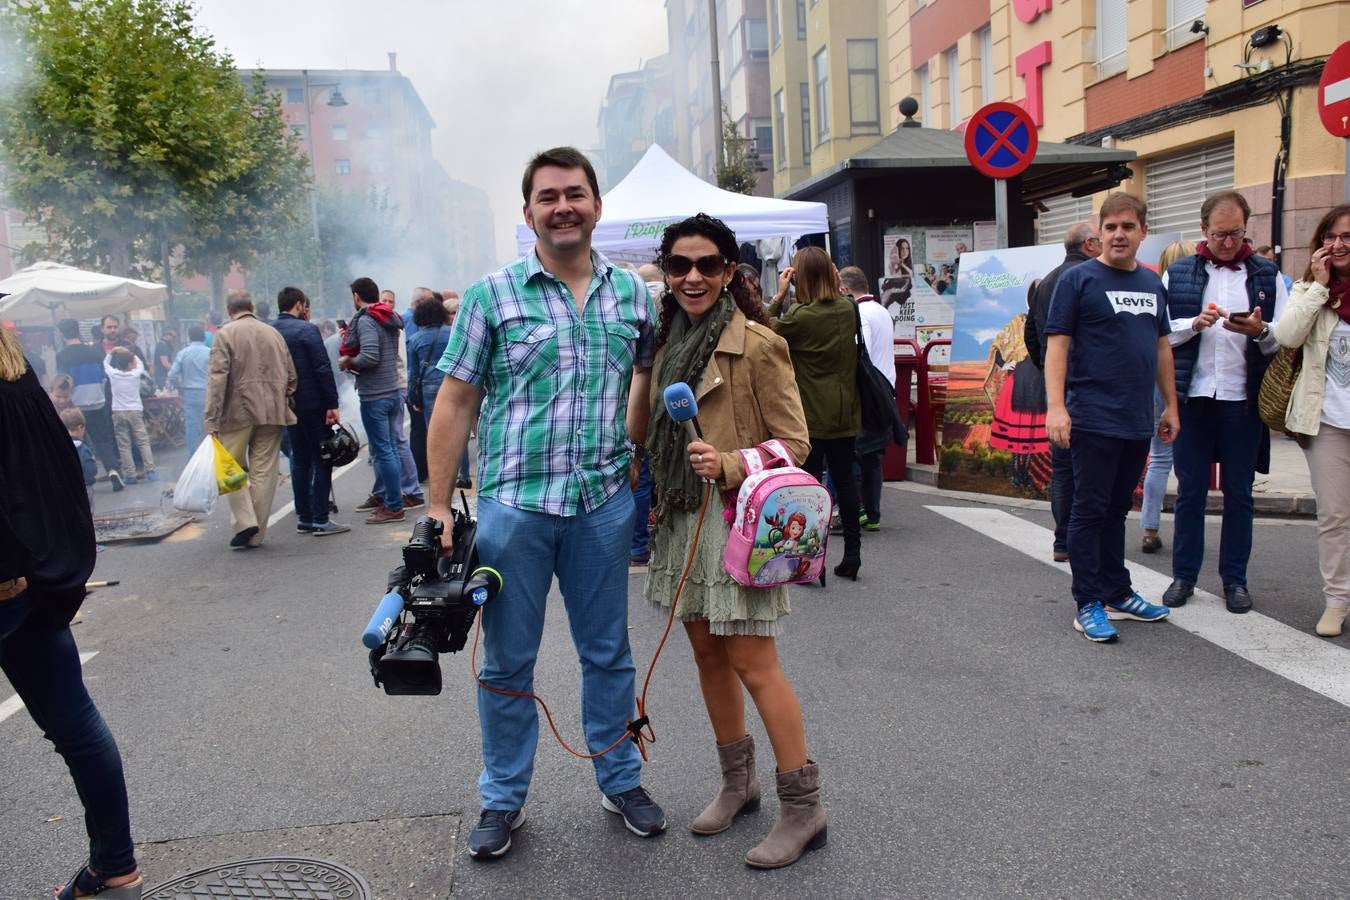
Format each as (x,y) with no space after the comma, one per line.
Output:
(695,291)
(1336,241)
(1122,234)
(562,211)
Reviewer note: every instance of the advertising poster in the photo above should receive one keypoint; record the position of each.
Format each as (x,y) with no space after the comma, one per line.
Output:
(895,288)
(993,433)
(920,296)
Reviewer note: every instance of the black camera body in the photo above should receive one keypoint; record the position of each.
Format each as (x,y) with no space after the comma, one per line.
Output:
(440,597)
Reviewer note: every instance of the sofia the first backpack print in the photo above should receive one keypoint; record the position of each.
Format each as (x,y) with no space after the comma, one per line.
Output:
(781,524)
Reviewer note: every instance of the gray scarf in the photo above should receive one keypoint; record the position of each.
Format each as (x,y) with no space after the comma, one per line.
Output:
(688,350)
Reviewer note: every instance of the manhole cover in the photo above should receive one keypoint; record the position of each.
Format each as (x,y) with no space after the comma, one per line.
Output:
(277,878)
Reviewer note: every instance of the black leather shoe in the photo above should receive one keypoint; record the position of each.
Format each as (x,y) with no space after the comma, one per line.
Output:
(492,837)
(848,568)
(1178,593)
(241,539)
(1237,599)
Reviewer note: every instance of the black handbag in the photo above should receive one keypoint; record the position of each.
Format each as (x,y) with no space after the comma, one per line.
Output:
(881,421)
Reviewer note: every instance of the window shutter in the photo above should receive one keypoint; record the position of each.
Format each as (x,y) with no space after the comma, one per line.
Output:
(1061,212)
(1175,186)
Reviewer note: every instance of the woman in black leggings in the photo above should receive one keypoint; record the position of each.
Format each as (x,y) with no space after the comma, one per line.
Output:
(821,329)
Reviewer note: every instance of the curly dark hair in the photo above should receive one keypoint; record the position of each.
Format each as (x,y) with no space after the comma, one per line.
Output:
(715,230)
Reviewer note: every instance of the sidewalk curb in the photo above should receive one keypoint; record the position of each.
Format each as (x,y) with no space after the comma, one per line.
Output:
(921,477)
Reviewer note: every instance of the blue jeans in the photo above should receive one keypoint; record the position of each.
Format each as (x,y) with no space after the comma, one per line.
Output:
(311,479)
(1061,493)
(589,554)
(428,404)
(1105,471)
(407,481)
(1228,432)
(42,663)
(642,507)
(379,417)
(1159,467)
(194,412)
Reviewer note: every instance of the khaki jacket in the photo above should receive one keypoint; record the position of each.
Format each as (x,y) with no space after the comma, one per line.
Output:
(250,377)
(1307,322)
(746,396)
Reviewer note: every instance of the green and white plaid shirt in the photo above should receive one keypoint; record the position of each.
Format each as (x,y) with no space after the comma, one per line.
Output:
(552,436)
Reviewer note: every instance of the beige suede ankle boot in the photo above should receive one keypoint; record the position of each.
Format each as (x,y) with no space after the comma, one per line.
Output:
(801,820)
(1333,619)
(740,788)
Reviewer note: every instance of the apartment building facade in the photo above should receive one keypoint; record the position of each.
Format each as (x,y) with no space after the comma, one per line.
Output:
(638,111)
(1209,95)
(742,29)
(829,96)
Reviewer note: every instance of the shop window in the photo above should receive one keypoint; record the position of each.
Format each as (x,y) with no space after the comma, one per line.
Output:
(821,68)
(1180,15)
(985,40)
(1112,37)
(951,62)
(805,91)
(864,88)
(780,125)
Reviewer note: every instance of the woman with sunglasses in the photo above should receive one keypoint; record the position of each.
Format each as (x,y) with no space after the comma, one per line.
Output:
(821,330)
(713,336)
(1317,320)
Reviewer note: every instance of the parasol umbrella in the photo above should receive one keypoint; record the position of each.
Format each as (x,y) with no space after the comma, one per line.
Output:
(47,291)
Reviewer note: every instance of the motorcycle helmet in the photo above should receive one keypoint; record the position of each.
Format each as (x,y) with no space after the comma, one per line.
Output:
(339,448)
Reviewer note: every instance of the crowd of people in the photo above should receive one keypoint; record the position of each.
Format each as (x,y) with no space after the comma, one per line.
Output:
(559,363)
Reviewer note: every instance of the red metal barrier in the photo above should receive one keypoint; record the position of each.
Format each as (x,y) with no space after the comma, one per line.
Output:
(928,418)
(894,462)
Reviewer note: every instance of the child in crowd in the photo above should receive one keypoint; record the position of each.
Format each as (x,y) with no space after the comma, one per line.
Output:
(124,370)
(73,419)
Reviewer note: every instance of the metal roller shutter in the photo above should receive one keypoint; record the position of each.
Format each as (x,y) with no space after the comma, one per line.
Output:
(1060,213)
(1175,186)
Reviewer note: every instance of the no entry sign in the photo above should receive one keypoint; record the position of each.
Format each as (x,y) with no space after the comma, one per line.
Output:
(1001,140)
(1333,92)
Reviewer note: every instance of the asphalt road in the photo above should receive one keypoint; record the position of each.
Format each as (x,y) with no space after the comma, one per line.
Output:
(970,743)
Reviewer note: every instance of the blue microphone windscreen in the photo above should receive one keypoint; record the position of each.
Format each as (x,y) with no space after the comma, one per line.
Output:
(386,614)
(680,402)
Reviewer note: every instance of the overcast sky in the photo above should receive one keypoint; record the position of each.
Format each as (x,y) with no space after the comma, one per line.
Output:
(502,79)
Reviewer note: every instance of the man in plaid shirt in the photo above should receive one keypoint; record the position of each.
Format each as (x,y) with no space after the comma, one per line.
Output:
(556,343)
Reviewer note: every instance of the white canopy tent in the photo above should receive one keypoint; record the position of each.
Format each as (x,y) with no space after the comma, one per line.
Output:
(47,291)
(659,192)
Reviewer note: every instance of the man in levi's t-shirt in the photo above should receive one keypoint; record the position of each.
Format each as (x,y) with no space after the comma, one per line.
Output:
(1107,347)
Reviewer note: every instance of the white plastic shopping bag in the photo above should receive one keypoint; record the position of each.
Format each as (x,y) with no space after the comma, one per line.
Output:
(196,490)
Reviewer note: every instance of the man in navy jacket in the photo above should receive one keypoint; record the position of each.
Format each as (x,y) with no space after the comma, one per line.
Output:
(316,409)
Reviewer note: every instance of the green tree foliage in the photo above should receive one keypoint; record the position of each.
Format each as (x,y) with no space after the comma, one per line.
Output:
(739,171)
(120,117)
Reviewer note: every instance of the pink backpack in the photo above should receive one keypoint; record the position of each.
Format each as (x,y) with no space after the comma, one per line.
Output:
(781,523)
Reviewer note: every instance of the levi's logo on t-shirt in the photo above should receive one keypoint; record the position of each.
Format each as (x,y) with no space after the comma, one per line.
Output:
(1133,302)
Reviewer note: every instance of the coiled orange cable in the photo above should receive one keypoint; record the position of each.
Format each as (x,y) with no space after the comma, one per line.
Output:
(639,729)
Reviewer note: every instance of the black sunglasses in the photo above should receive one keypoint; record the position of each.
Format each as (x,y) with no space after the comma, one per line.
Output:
(708,266)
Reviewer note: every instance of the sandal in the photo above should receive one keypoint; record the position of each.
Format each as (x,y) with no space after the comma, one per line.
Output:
(90,885)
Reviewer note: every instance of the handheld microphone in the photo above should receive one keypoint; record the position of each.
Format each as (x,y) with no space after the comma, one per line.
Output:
(682,407)
(386,614)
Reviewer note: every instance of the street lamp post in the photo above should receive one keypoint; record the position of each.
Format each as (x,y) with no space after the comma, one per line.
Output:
(335,99)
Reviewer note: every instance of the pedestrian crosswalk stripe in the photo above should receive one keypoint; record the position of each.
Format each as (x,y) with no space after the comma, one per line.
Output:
(1299,656)
(14,704)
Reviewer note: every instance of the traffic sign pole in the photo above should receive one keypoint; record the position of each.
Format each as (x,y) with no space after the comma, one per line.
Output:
(1001,213)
